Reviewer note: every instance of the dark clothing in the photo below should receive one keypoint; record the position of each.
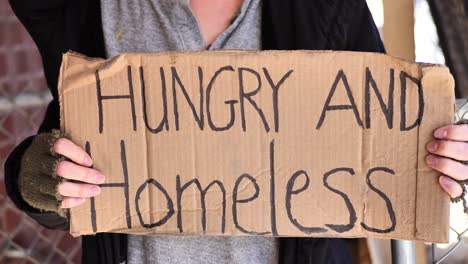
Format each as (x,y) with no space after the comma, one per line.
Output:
(58,26)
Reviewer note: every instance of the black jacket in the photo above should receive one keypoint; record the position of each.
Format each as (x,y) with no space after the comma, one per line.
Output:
(58,26)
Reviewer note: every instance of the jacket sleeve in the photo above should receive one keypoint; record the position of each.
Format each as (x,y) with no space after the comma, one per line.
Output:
(46,23)
(41,19)
(12,165)
(31,6)
(363,33)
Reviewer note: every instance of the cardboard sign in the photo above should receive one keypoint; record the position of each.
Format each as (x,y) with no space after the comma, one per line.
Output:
(280,143)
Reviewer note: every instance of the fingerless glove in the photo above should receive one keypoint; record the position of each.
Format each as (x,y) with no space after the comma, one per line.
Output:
(37,180)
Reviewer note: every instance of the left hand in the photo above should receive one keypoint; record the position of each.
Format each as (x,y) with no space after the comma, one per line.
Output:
(450,144)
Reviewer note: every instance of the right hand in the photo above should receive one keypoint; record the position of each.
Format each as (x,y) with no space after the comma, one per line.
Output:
(85,179)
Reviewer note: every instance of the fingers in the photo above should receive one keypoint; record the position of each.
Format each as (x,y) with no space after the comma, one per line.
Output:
(452,132)
(71,171)
(450,186)
(72,151)
(75,193)
(78,190)
(449,167)
(70,202)
(452,149)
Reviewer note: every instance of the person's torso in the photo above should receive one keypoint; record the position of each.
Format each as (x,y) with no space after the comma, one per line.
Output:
(150,26)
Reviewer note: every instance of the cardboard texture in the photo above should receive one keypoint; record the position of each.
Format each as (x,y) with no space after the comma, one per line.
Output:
(278,143)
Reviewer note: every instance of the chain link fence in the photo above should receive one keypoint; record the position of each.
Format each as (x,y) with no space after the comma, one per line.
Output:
(22,240)
(23,99)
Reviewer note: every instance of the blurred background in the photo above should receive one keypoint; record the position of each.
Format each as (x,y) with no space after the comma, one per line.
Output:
(434,31)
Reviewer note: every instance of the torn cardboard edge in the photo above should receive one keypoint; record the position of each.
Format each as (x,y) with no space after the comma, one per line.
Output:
(432,77)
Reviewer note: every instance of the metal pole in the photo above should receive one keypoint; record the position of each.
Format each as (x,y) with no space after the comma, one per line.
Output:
(403,252)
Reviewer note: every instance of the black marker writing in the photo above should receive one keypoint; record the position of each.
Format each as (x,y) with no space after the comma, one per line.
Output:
(101,98)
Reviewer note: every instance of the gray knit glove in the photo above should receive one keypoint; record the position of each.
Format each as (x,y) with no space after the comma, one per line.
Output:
(37,179)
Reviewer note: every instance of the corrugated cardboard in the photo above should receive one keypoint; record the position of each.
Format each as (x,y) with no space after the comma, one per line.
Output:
(282,143)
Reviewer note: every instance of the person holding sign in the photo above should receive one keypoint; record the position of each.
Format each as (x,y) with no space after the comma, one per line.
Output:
(48,173)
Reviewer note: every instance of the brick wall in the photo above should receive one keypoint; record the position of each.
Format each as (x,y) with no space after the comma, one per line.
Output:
(23,98)
(20,62)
